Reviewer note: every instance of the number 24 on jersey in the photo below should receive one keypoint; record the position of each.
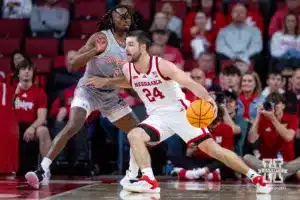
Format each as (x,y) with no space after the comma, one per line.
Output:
(154,94)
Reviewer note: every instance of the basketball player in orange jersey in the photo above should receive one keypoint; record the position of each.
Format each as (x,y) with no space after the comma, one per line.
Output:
(156,81)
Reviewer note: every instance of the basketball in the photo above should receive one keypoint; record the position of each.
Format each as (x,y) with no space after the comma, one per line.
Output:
(200,113)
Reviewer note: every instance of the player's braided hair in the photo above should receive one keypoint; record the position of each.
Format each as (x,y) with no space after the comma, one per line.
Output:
(106,22)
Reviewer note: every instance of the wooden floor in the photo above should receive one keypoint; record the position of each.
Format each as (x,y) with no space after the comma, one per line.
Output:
(107,188)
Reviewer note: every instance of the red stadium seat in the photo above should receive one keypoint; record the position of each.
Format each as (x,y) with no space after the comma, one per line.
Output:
(43,65)
(179,7)
(72,44)
(59,62)
(5,65)
(46,47)
(89,10)
(9,45)
(83,29)
(13,28)
(144,7)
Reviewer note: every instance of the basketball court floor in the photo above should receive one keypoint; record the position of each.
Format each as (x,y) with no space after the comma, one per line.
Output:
(107,188)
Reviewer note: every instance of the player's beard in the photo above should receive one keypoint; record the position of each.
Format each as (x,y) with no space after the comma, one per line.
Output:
(136,57)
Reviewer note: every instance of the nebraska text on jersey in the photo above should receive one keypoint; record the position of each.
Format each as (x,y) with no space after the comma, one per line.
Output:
(23,104)
(151,83)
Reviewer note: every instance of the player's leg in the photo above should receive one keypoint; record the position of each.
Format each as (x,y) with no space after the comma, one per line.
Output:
(232,160)
(126,120)
(202,137)
(78,113)
(43,136)
(152,131)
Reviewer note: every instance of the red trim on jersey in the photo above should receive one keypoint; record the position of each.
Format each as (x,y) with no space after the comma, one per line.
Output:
(154,129)
(159,72)
(149,67)
(199,138)
(130,80)
(183,104)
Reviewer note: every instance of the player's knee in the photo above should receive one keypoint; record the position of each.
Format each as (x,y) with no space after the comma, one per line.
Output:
(72,128)
(133,135)
(212,149)
(42,132)
(136,135)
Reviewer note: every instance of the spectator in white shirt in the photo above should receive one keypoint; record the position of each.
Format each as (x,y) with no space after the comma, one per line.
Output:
(16,9)
(286,43)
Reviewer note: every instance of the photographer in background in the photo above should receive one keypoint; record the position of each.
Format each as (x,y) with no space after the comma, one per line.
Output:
(239,125)
(276,132)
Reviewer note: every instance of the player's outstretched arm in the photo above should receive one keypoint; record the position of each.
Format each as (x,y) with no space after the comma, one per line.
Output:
(95,45)
(122,81)
(99,82)
(170,70)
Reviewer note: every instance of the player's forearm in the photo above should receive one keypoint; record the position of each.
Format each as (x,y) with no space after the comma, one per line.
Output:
(200,91)
(286,134)
(80,60)
(119,82)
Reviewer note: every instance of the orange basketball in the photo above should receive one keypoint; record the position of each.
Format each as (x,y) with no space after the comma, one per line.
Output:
(200,113)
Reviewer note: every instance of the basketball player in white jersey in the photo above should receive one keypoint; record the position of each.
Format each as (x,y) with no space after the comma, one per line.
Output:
(156,81)
(104,53)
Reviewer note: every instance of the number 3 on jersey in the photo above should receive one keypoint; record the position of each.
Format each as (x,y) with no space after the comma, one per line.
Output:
(152,96)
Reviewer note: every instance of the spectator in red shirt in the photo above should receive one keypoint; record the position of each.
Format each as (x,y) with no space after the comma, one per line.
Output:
(197,38)
(30,106)
(197,163)
(206,62)
(215,20)
(293,104)
(170,53)
(276,132)
(197,75)
(277,21)
(250,91)
(174,22)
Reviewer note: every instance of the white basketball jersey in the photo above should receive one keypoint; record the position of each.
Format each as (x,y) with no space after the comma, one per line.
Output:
(159,94)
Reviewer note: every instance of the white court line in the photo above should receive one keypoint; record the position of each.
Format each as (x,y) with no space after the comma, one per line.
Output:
(68,192)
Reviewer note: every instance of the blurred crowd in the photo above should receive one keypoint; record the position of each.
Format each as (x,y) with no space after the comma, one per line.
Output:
(245,52)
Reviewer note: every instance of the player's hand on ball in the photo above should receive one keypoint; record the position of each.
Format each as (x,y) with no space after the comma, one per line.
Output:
(97,82)
(215,106)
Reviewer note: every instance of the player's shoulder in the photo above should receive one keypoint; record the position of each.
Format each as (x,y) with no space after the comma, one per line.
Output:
(162,61)
(125,68)
(126,65)
(94,36)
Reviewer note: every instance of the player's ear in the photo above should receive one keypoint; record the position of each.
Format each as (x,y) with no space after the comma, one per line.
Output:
(144,47)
